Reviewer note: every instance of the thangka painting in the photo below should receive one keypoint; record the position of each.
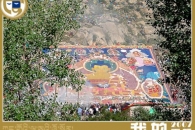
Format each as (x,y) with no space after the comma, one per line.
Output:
(114,75)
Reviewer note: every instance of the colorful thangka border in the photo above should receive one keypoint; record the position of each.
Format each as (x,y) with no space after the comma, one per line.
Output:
(114,75)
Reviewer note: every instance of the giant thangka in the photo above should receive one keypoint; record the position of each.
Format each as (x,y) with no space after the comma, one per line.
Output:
(114,74)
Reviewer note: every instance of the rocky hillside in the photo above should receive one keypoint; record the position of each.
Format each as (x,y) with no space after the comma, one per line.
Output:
(109,22)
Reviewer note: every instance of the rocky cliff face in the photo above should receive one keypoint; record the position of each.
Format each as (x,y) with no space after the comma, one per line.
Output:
(107,22)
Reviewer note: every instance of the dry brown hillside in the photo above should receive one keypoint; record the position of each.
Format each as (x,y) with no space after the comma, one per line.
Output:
(111,21)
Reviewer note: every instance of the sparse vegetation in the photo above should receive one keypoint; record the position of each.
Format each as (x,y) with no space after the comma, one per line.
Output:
(110,7)
(128,39)
(103,1)
(141,39)
(94,37)
(130,30)
(107,37)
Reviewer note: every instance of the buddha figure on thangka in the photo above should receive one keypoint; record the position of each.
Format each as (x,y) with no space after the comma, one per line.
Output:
(106,78)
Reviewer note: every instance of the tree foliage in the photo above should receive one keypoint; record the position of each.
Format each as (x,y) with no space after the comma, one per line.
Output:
(161,113)
(140,113)
(172,20)
(42,26)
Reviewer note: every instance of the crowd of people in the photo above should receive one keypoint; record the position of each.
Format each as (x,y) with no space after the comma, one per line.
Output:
(96,109)
(85,112)
(91,110)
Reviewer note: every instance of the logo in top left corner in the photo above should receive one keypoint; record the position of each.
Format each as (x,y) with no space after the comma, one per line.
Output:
(14,9)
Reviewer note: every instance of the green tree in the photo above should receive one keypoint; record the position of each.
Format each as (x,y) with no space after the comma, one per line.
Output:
(156,113)
(166,113)
(141,114)
(172,20)
(41,27)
